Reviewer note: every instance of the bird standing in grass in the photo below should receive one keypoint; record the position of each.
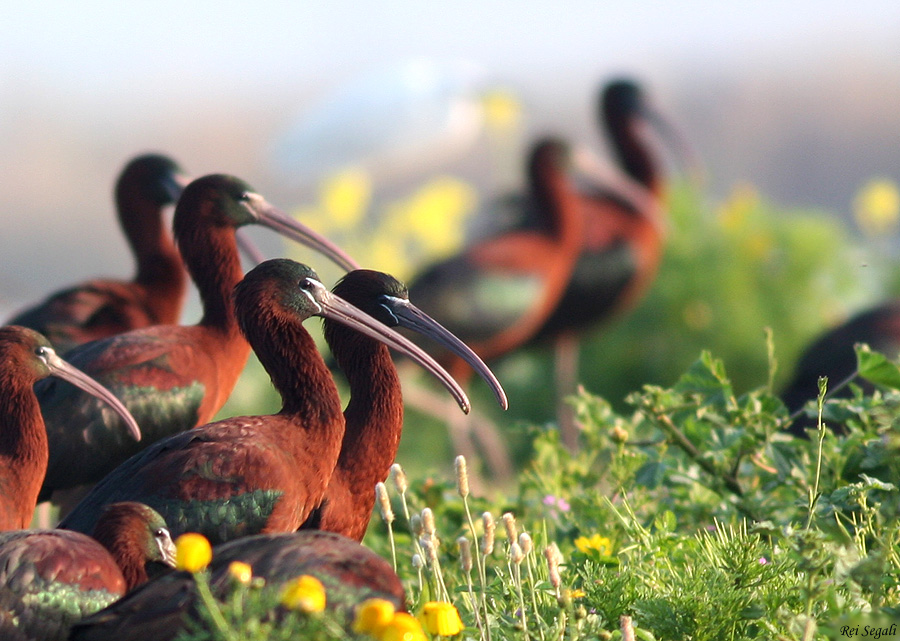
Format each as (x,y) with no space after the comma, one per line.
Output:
(374,415)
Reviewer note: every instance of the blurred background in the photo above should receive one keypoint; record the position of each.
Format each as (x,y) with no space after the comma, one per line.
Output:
(362,118)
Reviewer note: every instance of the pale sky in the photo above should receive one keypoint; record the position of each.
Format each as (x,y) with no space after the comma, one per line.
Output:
(208,80)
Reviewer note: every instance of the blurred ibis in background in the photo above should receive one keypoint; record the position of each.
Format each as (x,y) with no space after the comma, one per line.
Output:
(25,358)
(100,308)
(833,355)
(374,415)
(157,611)
(172,377)
(499,292)
(619,231)
(624,231)
(258,474)
(49,579)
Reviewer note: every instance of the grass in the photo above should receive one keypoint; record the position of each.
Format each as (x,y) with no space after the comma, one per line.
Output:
(689,516)
(687,513)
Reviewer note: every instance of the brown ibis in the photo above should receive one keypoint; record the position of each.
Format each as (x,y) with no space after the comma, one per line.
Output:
(497,294)
(257,474)
(374,415)
(25,358)
(104,307)
(172,377)
(833,355)
(157,611)
(624,232)
(620,232)
(49,579)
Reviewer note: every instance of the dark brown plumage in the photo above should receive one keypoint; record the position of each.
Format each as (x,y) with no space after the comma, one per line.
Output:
(374,415)
(105,307)
(349,572)
(251,474)
(51,578)
(173,377)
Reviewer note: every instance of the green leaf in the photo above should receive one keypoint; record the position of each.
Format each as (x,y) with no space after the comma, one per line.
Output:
(877,368)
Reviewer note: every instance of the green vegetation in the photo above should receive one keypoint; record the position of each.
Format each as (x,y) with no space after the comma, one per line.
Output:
(691,514)
(687,510)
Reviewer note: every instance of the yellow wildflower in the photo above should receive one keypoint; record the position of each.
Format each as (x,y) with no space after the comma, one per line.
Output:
(373,616)
(240,572)
(305,593)
(441,618)
(877,207)
(733,213)
(345,197)
(595,543)
(502,109)
(192,552)
(403,627)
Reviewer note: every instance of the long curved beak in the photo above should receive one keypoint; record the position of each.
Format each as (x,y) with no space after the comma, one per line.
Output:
(415,319)
(71,374)
(337,309)
(248,248)
(685,154)
(269,216)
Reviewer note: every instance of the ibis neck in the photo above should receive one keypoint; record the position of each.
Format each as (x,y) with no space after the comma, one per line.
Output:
(158,261)
(553,189)
(23,452)
(628,135)
(374,415)
(128,554)
(212,258)
(290,356)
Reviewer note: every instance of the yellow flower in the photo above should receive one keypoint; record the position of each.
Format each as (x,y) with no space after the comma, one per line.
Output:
(733,213)
(403,627)
(577,594)
(240,572)
(441,618)
(192,552)
(345,196)
(877,207)
(597,543)
(373,616)
(502,109)
(305,593)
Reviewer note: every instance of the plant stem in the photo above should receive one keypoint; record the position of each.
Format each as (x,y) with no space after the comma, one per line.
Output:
(212,606)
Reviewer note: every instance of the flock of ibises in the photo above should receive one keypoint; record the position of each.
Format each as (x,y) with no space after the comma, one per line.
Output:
(106,401)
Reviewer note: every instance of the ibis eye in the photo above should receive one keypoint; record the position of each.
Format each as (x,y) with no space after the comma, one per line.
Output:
(41,352)
(161,533)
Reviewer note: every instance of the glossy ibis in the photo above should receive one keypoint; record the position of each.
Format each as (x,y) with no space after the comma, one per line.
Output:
(622,242)
(257,474)
(158,610)
(101,307)
(497,294)
(374,415)
(25,358)
(833,355)
(620,233)
(172,377)
(49,579)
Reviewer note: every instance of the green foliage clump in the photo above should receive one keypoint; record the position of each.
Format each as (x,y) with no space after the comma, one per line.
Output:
(693,515)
